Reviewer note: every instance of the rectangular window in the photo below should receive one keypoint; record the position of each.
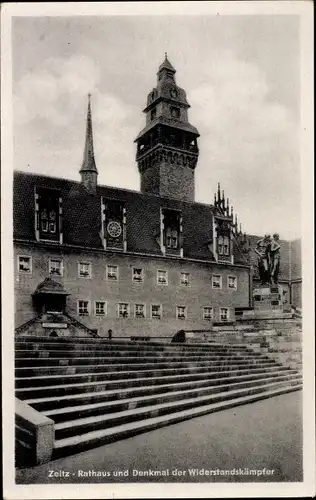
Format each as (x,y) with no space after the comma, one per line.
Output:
(172,231)
(162,277)
(138,275)
(156,311)
(216,281)
(226,245)
(83,307)
(24,264)
(224,313)
(112,273)
(140,311)
(184,279)
(181,312)
(55,267)
(208,313)
(84,269)
(232,282)
(220,245)
(123,310)
(48,213)
(100,308)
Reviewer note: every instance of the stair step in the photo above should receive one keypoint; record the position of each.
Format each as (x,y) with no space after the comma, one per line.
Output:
(51,402)
(98,437)
(97,353)
(73,427)
(66,413)
(90,377)
(65,379)
(86,369)
(24,362)
(108,384)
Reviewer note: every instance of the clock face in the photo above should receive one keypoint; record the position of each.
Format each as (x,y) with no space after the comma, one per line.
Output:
(114,229)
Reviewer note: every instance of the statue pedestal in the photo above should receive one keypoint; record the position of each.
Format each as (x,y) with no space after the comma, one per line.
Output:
(268,300)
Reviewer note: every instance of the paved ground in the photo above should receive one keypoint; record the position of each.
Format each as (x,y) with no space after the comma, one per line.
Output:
(266,434)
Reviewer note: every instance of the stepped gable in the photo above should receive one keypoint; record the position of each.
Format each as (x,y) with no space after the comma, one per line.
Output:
(82,222)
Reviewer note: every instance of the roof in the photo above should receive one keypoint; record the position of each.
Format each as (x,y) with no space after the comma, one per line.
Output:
(82,216)
(166,65)
(171,123)
(49,286)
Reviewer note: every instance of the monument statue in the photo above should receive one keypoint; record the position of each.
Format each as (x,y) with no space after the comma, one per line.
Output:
(263,252)
(274,259)
(268,251)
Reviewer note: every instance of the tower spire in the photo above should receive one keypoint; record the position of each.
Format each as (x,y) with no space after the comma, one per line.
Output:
(88,169)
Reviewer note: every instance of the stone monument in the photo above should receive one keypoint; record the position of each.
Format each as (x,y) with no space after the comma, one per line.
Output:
(269,296)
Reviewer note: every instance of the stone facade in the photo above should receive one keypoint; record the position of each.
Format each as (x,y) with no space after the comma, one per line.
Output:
(199,293)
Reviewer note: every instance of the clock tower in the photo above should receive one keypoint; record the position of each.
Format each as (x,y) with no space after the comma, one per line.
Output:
(167,150)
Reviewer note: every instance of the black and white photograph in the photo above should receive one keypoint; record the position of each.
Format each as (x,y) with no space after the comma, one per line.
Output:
(157,197)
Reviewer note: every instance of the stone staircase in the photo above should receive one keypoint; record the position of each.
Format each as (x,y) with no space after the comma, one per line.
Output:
(97,391)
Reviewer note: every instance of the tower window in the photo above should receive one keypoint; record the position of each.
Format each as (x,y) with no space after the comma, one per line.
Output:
(175,112)
(153,114)
(223,245)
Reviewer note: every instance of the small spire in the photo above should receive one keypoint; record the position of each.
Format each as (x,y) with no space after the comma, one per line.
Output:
(88,164)
(219,192)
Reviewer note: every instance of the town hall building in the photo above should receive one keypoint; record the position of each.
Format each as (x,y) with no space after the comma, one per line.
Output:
(93,258)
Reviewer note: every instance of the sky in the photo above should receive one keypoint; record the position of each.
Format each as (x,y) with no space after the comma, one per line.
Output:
(242,78)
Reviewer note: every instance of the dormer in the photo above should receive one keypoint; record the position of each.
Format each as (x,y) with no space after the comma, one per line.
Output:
(48,215)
